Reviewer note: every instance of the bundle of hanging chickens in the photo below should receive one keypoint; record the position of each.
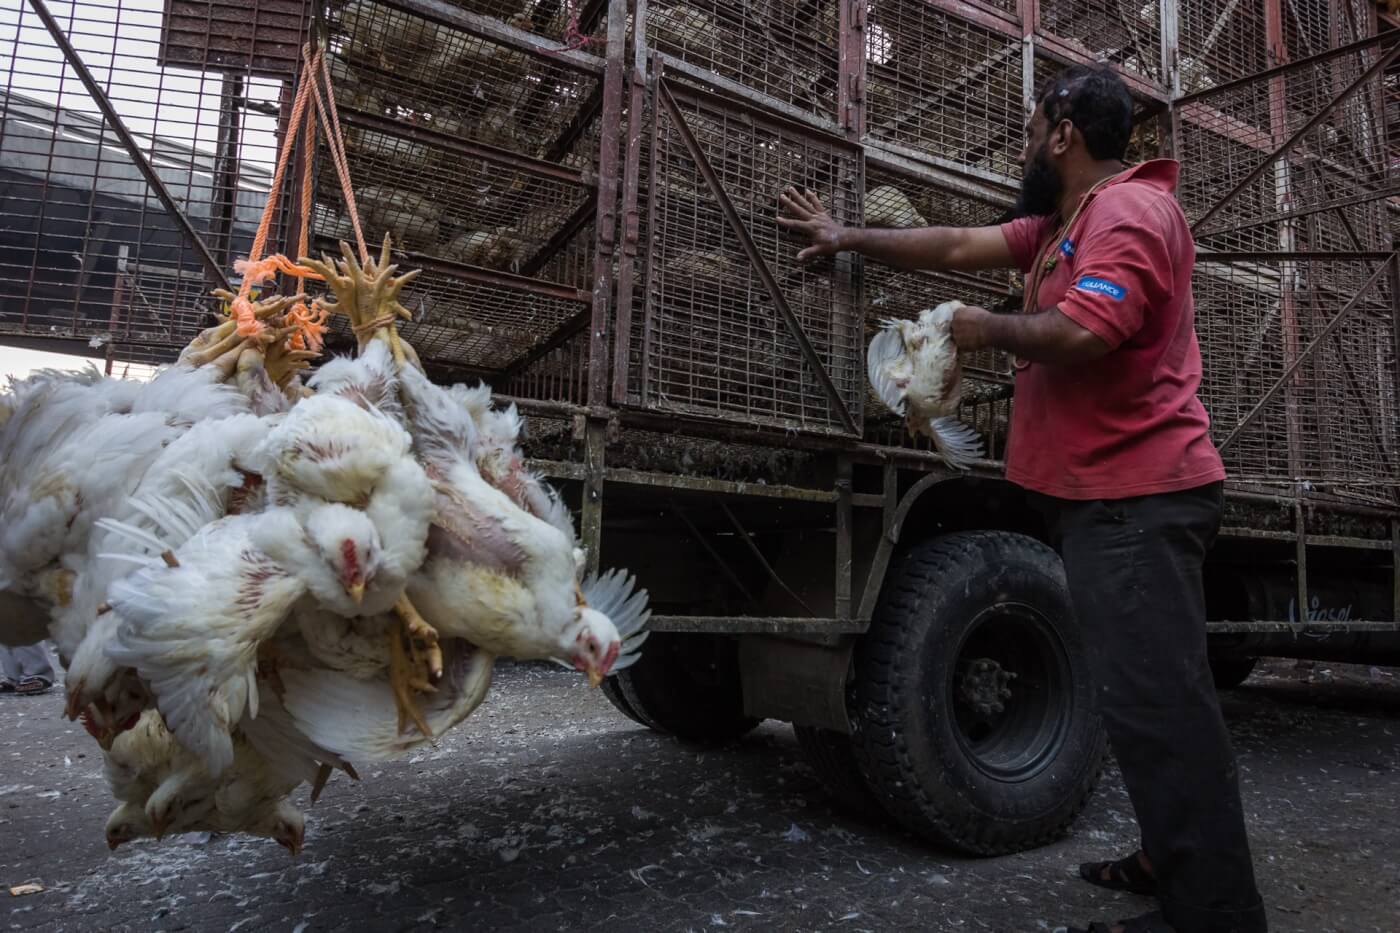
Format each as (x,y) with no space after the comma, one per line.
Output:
(254,582)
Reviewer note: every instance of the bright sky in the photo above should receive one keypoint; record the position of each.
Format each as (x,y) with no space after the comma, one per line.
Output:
(19,362)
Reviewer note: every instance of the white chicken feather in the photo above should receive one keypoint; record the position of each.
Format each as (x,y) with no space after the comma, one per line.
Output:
(192,629)
(192,483)
(914,369)
(496,574)
(370,380)
(163,788)
(355,719)
(52,486)
(330,448)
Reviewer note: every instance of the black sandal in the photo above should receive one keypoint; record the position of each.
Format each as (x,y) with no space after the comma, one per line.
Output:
(1126,874)
(1147,923)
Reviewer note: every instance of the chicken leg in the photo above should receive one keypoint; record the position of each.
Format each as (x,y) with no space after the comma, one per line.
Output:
(214,341)
(415,668)
(284,362)
(368,295)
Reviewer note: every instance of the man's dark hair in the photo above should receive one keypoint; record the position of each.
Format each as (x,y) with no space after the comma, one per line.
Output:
(1097,102)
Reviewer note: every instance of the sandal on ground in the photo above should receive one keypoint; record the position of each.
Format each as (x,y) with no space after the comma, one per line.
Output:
(1126,874)
(6,685)
(1147,923)
(32,685)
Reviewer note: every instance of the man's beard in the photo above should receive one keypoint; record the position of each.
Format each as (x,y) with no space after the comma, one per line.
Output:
(1041,188)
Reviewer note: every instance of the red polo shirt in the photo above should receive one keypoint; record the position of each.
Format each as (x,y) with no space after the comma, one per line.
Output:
(1129,423)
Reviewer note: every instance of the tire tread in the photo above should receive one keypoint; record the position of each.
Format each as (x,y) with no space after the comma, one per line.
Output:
(892,643)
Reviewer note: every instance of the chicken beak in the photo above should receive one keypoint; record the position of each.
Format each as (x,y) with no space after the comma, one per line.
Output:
(595,677)
(356,591)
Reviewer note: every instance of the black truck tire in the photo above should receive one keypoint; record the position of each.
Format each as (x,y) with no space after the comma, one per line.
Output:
(613,691)
(686,685)
(830,754)
(949,745)
(1228,673)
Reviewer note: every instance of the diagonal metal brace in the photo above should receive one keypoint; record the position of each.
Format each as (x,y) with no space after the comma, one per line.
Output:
(1316,342)
(99,97)
(1376,68)
(770,282)
(762,561)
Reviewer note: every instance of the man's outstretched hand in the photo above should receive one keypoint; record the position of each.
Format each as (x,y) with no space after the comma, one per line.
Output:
(806,215)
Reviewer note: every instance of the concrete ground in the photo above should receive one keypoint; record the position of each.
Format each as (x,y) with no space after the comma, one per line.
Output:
(549,811)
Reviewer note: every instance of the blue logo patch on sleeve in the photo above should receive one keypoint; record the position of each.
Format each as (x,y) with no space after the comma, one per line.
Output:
(1067,247)
(1101,287)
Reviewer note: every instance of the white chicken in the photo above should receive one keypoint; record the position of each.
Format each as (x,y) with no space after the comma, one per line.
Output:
(201,476)
(360,720)
(192,626)
(497,575)
(501,463)
(241,576)
(914,369)
(285,542)
(163,788)
(53,486)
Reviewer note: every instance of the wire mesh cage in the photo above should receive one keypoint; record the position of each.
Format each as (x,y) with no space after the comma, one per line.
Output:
(476,136)
(1220,41)
(941,87)
(552,374)
(252,36)
(473,143)
(1128,34)
(785,50)
(895,198)
(1325,116)
(1334,419)
(87,246)
(1293,163)
(711,338)
(1347,393)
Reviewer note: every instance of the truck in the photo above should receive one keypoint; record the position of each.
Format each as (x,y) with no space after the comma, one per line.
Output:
(590,189)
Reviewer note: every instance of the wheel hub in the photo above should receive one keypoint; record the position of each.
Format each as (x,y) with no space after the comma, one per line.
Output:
(985,686)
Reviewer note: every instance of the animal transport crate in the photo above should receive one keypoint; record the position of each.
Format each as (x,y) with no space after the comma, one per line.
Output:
(590,186)
(98,220)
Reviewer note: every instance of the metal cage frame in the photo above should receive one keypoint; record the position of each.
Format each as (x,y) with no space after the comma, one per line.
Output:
(550,256)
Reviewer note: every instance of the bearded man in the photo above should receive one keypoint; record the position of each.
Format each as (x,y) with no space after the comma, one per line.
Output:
(1113,446)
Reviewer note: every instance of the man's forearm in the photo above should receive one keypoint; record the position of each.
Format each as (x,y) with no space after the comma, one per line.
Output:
(918,248)
(1043,337)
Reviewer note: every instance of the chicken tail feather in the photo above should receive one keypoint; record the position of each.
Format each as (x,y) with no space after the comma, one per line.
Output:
(614,594)
(957,443)
(149,543)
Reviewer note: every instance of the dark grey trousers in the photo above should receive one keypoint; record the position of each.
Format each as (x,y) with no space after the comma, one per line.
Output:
(1134,570)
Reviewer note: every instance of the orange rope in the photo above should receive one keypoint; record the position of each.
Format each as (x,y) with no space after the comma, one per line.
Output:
(336,141)
(308,324)
(242,310)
